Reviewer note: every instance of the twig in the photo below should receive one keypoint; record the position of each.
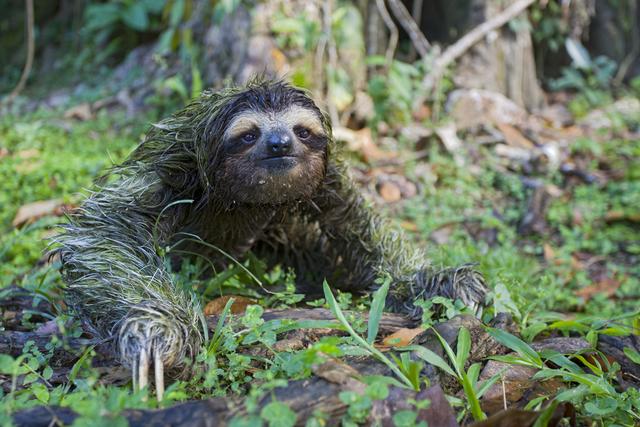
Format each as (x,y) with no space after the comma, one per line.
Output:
(635,45)
(393,32)
(30,52)
(454,51)
(327,12)
(418,39)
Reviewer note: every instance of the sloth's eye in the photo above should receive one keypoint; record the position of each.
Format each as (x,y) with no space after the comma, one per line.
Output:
(249,137)
(303,133)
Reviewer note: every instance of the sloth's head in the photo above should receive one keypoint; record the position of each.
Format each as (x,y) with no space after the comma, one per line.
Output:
(263,143)
(273,145)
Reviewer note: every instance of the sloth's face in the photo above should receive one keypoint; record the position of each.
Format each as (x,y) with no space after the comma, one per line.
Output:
(272,157)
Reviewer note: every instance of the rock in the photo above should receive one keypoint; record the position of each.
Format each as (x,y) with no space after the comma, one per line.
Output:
(627,109)
(515,387)
(557,115)
(473,107)
(562,345)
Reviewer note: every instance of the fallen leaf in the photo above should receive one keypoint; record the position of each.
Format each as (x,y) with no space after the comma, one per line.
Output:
(361,141)
(409,226)
(32,211)
(402,337)
(279,60)
(422,113)
(607,286)
(239,305)
(389,192)
(3,152)
(513,137)
(548,252)
(613,216)
(28,154)
(80,112)
(449,137)
(442,234)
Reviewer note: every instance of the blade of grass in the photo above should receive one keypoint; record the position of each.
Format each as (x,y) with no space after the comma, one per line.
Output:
(335,309)
(517,345)
(375,313)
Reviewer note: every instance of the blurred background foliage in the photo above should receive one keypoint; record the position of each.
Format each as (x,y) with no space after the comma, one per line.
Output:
(337,48)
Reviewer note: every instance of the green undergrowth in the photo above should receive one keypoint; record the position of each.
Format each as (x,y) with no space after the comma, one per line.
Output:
(591,235)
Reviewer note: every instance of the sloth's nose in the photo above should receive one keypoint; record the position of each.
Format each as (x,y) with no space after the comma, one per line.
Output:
(279,143)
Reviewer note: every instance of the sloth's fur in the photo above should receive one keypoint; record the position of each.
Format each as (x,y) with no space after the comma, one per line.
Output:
(312,219)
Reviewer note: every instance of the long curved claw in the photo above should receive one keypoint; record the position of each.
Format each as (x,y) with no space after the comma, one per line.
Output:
(140,371)
(158,367)
(143,370)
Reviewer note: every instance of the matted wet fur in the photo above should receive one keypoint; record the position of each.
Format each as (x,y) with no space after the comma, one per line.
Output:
(201,173)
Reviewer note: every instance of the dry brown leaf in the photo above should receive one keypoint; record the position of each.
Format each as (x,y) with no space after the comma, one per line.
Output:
(3,152)
(361,141)
(613,216)
(548,252)
(513,136)
(33,211)
(442,234)
(402,337)
(607,286)
(279,60)
(409,226)
(80,112)
(390,192)
(215,306)
(422,113)
(28,154)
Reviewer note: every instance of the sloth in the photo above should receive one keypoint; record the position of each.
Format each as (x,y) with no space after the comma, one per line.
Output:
(248,168)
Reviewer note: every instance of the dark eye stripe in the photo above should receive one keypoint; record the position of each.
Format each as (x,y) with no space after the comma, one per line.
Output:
(249,137)
(303,133)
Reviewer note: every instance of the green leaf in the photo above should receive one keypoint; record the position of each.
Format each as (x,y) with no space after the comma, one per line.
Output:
(545,416)
(101,16)
(405,418)
(177,11)
(196,80)
(430,357)
(277,414)
(153,6)
(40,391)
(632,354)
(375,313)
(7,364)
(601,406)
(47,373)
(136,16)
(452,357)
(517,345)
(473,373)
(488,383)
(463,347)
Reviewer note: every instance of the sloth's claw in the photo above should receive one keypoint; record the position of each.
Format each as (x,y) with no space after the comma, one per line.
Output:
(143,370)
(158,367)
(140,372)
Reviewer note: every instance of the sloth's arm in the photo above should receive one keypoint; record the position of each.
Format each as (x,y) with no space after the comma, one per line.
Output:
(369,246)
(116,276)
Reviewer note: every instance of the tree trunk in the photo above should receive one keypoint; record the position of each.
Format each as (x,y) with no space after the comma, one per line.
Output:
(503,62)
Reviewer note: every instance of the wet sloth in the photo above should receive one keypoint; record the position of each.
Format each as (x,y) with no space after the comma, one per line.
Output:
(248,168)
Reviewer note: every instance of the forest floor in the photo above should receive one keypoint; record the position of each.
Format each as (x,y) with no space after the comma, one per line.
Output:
(557,240)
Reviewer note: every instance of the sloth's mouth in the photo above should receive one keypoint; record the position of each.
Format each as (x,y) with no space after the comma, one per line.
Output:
(279,163)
